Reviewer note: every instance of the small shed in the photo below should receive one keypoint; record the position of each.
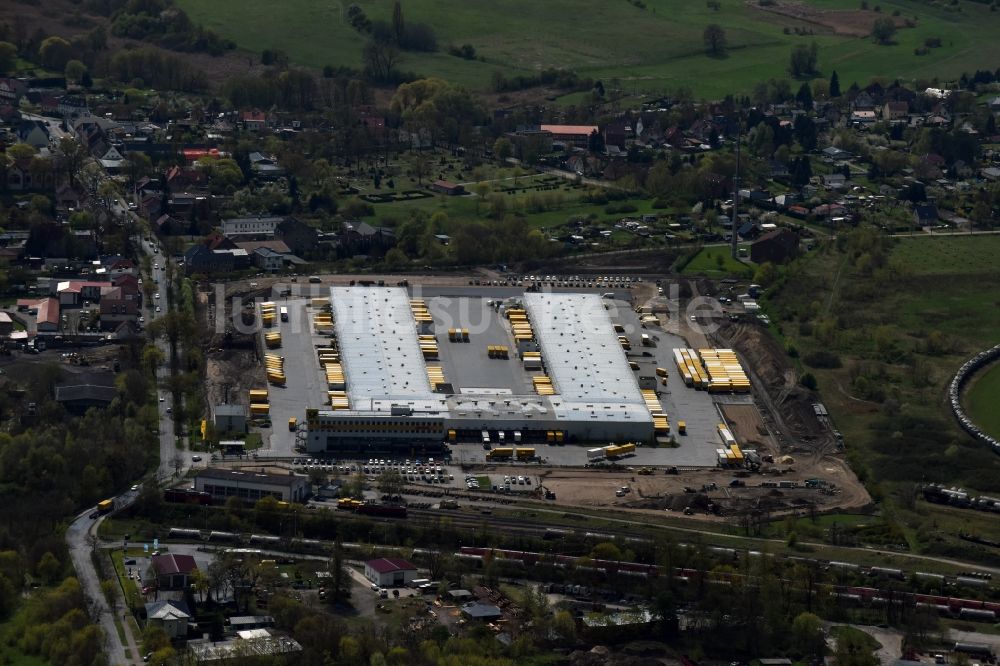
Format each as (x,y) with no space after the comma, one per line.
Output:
(447,187)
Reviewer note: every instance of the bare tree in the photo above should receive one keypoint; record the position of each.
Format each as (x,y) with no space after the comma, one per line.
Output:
(715,39)
(380,59)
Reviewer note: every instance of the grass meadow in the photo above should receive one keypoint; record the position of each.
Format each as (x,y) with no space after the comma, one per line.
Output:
(655,49)
(888,396)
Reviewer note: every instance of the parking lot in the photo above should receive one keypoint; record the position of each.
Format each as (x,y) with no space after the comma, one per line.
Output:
(305,386)
(430,473)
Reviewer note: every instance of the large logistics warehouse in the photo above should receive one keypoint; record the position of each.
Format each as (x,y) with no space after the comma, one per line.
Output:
(588,392)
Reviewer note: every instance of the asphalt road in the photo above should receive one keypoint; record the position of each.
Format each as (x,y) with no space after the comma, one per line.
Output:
(78,539)
(81,534)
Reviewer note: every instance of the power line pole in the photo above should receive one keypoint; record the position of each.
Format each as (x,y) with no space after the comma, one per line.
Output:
(736,189)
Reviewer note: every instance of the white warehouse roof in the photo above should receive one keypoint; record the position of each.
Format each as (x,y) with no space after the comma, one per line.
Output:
(378,346)
(581,350)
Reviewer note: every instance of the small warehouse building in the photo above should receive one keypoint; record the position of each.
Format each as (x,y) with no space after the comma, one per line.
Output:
(86,390)
(477,610)
(777,247)
(230,418)
(390,572)
(252,486)
(172,572)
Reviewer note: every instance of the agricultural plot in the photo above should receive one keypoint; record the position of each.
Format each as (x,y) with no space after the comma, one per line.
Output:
(655,48)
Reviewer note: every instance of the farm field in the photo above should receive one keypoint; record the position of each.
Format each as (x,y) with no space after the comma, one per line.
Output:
(982,399)
(655,49)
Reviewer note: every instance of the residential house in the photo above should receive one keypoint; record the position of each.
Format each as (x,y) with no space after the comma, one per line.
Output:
(200,259)
(863,102)
(574,135)
(748,230)
(185,204)
(254,121)
(776,247)
(45,311)
(834,181)
(128,283)
(168,225)
(829,210)
(74,292)
(448,188)
(172,572)
(991,173)
(993,104)
(71,106)
(895,110)
(150,205)
(362,238)
(836,153)
(82,244)
(297,235)
(67,198)
(265,167)
(6,324)
(35,133)
(786,200)
(184,178)
(239,257)
(112,160)
(273,245)
(390,571)
(777,169)
(250,226)
(616,133)
(12,90)
(85,391)
(863,118)
(117,309)
(925,215)
(267,259)
(170,615)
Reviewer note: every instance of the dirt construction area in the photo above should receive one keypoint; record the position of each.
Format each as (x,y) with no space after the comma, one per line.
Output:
(708,492)
(850,23)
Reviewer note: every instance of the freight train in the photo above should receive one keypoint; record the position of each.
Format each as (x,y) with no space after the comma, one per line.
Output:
(968,609)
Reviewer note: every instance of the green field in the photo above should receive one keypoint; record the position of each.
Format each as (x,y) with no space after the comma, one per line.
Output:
(983,398)
(717,262)
(655,49)
(948,255)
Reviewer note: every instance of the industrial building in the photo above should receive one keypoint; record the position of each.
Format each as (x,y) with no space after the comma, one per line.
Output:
(390,572)
(566,378)
(251,486)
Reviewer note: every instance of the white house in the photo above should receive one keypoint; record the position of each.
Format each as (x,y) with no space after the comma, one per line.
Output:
(171,615)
